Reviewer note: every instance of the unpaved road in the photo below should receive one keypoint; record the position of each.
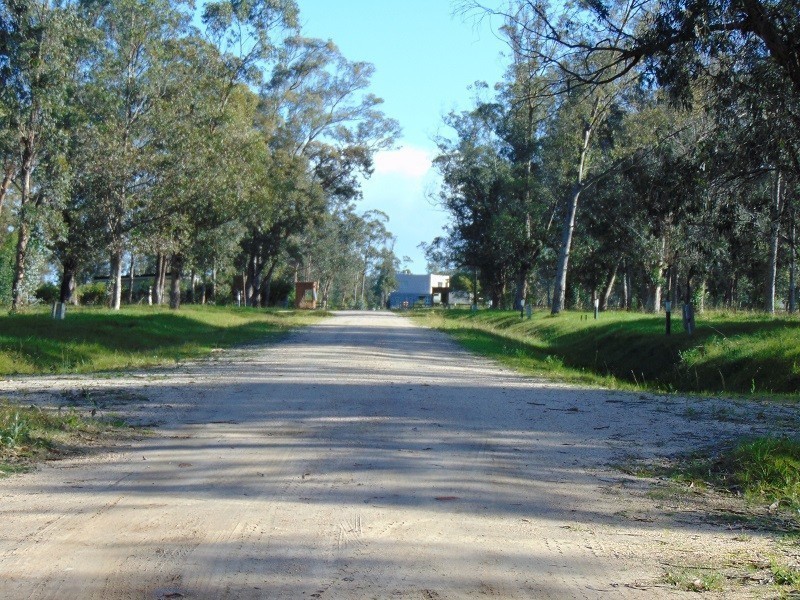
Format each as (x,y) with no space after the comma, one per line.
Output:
(364,457)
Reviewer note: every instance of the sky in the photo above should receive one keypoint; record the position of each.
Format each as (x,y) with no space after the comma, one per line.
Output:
(426,58)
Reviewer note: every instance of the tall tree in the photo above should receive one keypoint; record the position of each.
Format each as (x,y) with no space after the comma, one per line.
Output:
(39,43)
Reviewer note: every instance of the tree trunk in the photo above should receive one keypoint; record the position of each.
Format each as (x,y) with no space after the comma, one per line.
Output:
(560,288)
(776,209)
(559,293)
(190,293)
(326,292)
(521,287)
(626,301)
(157,279)
(363,288)
(24,230)
(654,298)
(253,281)
(612,278)
(68,279)
(116,279)
(8,177)
(268,282)
(792,267)
(131,277)
(547,292)
(214,281)
(24,236)
(177,272)
(701,297)
(162,279)
(673,284)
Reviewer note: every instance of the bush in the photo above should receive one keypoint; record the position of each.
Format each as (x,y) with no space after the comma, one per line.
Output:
(47,293)
(93,293)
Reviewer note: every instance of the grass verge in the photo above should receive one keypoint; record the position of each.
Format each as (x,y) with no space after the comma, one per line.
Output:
(93,339)
(29,435)
(729,353)
(749,486)
(695,579)
(764,470)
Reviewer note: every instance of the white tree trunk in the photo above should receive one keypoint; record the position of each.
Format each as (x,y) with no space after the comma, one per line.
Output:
(560,291)
(116,280)
(776,209)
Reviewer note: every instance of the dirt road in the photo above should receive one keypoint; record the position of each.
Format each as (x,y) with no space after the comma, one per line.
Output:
(364,457)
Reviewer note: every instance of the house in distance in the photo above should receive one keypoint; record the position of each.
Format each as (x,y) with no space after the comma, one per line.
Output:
(420,290)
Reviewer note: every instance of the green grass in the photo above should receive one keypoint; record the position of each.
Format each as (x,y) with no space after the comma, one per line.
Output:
(93,339)
(29,435)
(785,575)
(728,353)
(691,579)
(764,470)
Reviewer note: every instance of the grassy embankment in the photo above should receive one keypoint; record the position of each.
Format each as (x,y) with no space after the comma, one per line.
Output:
(728,353)
(93,340)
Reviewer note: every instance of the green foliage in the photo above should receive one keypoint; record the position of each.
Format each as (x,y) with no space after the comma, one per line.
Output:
(13,431)
(31,433)
(93,294)
(47,293)
(695,579)
(766,468)
(206,146)
(743,353)
(98,339)
(7,250)
(785,575)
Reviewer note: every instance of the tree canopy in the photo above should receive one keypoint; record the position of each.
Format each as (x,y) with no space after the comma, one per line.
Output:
(660,161)
(135,142)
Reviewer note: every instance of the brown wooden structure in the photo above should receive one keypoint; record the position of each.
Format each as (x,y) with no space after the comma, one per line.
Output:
(305,294)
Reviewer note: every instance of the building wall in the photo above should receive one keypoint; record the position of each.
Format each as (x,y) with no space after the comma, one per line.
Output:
(420,284)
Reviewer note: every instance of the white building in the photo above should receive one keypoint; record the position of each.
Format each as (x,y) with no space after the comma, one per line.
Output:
(420,290)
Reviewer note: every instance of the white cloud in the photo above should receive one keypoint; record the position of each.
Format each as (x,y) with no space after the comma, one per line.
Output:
(407,161)
(400,186)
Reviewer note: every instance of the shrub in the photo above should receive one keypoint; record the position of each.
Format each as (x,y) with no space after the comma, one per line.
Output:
(93,293)
(47,293)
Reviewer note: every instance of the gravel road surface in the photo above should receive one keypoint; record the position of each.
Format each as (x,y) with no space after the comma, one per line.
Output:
(365,457)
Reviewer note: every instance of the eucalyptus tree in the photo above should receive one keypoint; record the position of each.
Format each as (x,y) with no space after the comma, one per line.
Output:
(322,128)
(671,38)
(327,253)
(135,83)
(387,266)
(8,154)
(478,190)
(758,146)
(373,238)
(522,109)
(39,44)
(345,253)
(240,42)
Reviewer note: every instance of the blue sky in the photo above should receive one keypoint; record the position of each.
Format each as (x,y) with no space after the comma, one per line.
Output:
(425,58)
